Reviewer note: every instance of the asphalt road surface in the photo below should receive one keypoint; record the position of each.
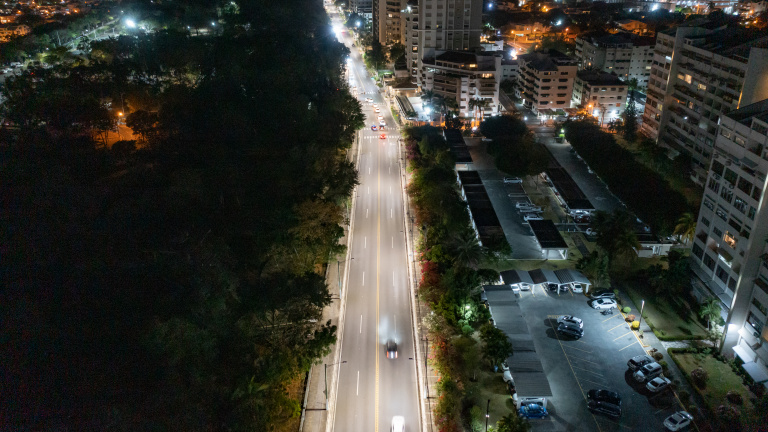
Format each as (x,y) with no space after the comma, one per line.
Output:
(372,388)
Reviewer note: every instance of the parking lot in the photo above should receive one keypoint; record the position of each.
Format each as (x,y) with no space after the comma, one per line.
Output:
(596,361)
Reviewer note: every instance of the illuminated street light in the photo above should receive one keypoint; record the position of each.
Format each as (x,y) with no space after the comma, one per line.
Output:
(130,23)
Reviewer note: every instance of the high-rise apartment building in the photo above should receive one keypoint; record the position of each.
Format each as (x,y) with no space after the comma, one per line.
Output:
(362,7)
(698,72)
(410,28)
(730,252)
(449,25)
(604,94)
(627,55)
(387,20)
(545,80)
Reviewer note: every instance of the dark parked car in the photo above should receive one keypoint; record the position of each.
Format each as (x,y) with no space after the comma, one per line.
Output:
(637,362)
(553,287)
(606,408)
(572,331)
(603,395)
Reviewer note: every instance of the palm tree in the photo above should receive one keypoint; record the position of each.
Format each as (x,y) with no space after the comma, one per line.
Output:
(686,227)
(710,311)
(466,248)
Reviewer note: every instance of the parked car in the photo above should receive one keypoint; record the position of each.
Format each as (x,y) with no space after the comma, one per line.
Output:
(530,210)
(572,331)
(603,294)
(603,395)
(553,286)
(678,421)
(606,408)
(570,320)
(590,232)
(532,411)
(603,303)
(647,372)
(523,204)
(532,216)
(511,180)
(507,377)
(658,384)
(577,287)
(637,362)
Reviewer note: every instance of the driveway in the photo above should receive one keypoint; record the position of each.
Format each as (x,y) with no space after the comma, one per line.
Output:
(598,360)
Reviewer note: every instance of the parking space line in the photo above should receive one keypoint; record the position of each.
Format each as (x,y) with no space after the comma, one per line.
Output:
(587,370)
(592,382)
(627,346)
(590,352)
(588,361)
(612,328)
(619,337)
(618,424)
(612,317)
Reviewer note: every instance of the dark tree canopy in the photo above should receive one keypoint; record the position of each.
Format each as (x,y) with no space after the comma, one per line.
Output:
(174,281)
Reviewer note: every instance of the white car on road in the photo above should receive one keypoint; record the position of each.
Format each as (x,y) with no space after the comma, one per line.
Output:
(603,304)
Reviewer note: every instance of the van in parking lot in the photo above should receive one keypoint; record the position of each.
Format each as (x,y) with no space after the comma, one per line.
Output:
(606,408)
(647,372)
(637,362)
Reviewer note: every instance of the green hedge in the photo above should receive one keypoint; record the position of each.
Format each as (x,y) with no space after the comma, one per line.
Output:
(644,191)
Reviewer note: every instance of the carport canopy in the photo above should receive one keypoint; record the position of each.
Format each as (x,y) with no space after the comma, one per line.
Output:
(540,276)
(516,277)
(568,276)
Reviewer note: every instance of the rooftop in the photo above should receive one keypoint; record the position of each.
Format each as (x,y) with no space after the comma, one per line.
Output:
(593,77)
(547,61)
(745,114)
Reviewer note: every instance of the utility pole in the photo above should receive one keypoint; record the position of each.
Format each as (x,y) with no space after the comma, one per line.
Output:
(326,380)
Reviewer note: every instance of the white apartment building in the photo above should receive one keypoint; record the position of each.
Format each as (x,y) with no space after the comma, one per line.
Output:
(730,252)
(603,93)
(510,70)
(699,72)
(362,7)
(628,56)
(546,80)
(463,76)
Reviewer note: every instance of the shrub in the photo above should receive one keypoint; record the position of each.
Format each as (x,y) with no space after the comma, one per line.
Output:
(664,366)
(630,318)
(635,325)
(658,356)
(734,397)
(699,377)
(728,414)
(684,396)
(626,310)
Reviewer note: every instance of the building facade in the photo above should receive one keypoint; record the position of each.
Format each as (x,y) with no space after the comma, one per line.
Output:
(361,7)
(387,20)
(546,80)
(604,94)
(628,56)
(464,76)
(449,25)
(410,29)
(698,73)
(730,254)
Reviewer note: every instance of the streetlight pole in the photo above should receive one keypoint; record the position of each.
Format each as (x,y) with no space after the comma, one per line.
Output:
(487,414)
(642,306)
(326,380)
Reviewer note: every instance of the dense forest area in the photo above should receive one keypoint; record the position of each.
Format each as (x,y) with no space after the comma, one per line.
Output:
(174,281)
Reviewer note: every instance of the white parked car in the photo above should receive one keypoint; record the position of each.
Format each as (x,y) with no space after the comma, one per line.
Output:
(571,321)
(678,421)
(530,210)
(658,384)
(648,372)
(523,204)
(577,287)
(532,216)
(510,180)
(590,231)
(603,304)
